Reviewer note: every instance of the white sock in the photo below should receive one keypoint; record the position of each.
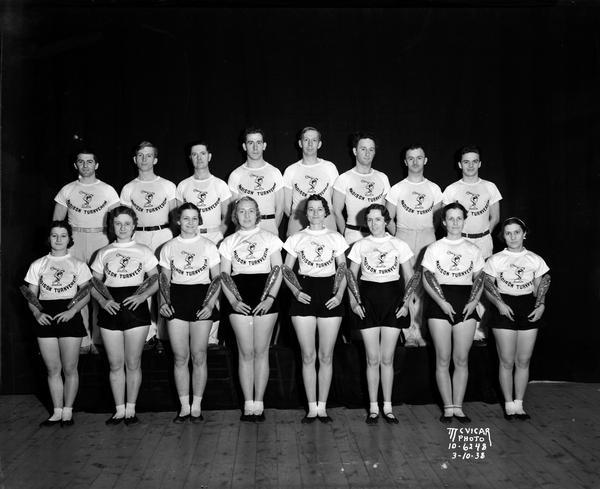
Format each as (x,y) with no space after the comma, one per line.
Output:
(509,407)
(67,413)
(519,406)
(312,409)
(130,410)
(448,410)
(321,408)
(120,411)
(248,407)
(458,411)
(259,407)
(185,405)
(387,407)
(196,406)
(56,415)
(373,408)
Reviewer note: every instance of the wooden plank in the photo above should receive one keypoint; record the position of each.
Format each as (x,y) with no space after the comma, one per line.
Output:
(288,463)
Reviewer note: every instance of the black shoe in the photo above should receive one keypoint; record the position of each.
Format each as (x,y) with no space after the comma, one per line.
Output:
(196,419)
(308,419)
(132,420)
(523,417)
(180,419)
(67,422)
(325,419)
(463,419)
(160,347)
(47,423)
(259,418)
(446,419)
(247,417)
(390,418)
(372,418)
(509,417)
(112,421)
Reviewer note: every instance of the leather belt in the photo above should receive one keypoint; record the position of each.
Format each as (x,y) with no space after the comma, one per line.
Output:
(267,216)
(357,228)
(208,230)
(87,230)
(476,235)
(153,228)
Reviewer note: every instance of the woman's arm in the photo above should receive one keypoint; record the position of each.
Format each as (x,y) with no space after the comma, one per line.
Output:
(292,281)
(40,316)
(433,288)
(147,289)
(272,286)
(354,305)
(541,286)
(212,294)
(230,289)
(164,298)
(76,304)
(412,281)
(103,295)
(474,296)
(339,282)
(493,294)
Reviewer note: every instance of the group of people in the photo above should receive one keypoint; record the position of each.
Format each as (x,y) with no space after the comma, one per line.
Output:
(348,235)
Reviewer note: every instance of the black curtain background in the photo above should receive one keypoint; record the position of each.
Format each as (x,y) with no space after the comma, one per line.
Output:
(521,83)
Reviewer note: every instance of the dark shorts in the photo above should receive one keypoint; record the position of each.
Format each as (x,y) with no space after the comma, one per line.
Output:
(458,296)
(124,319)
(320,291)
(73,328)
(250,287)
(187,300)
(522,306)
(380,301)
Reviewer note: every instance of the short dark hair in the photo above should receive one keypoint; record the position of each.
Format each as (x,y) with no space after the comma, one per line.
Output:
(317,198)
(64,224)
(306,129)
(454,205)
(252,130)
(469,149)
(188,206)
(245,198)
(84,150)
(196,142)
(146,144)
(117,211)
(414,146)
(363,135)
(381,208)
(512,220)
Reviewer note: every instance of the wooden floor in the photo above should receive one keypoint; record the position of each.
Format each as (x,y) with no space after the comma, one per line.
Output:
(558,448)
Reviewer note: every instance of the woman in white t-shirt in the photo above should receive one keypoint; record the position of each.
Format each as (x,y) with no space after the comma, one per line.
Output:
(251,276)
(188,298)
(317,304)
(516,283)
(453,278)
(381,258)
(55,280)
(124,316)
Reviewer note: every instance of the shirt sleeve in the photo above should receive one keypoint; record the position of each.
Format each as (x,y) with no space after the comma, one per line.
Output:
(437,193)
(179,192)
(97,265)
(112,196)
(275,244)
(354,254)
(62,196)
(427,261)
(288,176)
(542,267)
(341,245)
(126,195)
(386,182)
(225,248)
(233,181)
(164,260)
(223,191)
(404,252)
(490,267)
(340,184)
(277,178)
(478,262)
(33,273)
(494,193)
(290,245)
(448,195)
(170,190)
(150,260)
(212,254)
(83,273)
(392,195)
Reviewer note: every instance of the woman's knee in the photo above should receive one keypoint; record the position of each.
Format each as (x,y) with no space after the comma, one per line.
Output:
(309,357)
(133,364)
(522,362)
(325,357)
(181,361)
(247,355)
(387,360)
(199,358)
(70,369)
(460,361)
(373,361)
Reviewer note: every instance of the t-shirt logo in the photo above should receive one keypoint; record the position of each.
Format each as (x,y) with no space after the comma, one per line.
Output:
(319,248)
(420,198)
(201,194)
(369,187)
(455,259)
(188,259)
(58,274)
(123,262)
(381,257)
(149,196)
(518,272)
(474,198)
(258,181)
(312,182)
(87,198)
(251,248)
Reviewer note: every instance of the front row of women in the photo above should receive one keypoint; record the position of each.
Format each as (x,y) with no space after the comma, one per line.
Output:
(248,268)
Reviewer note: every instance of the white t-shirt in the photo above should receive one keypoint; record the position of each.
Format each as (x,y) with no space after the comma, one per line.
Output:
(259,183)
(380,258)
(306,180)
(515,272)
(316,251)
(414,203)
(87,203)
(477,199)
(361,190)
(150,200)
(208,195)
(250,251)
(57,276)
(124,264)
(453,262)
(189,259)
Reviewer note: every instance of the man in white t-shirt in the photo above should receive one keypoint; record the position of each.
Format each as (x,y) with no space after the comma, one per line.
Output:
(308,176)
(152,198)
(413,204)
(212,196)
(358,188)
(481,198)
(86,203)
(260,180)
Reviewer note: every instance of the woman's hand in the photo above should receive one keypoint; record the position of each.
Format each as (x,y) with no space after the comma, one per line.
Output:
(357,309)
(536,314)
(204,313)
(263,307)
(241,307)
(111,307)
(303,297)
(469,308)
(448,310)
(166,310)
(65,316)
(43,318)
(402,312)
(133,301)
(505,310)
(333,302)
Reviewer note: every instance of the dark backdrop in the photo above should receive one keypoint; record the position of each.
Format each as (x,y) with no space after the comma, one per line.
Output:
(521,83)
